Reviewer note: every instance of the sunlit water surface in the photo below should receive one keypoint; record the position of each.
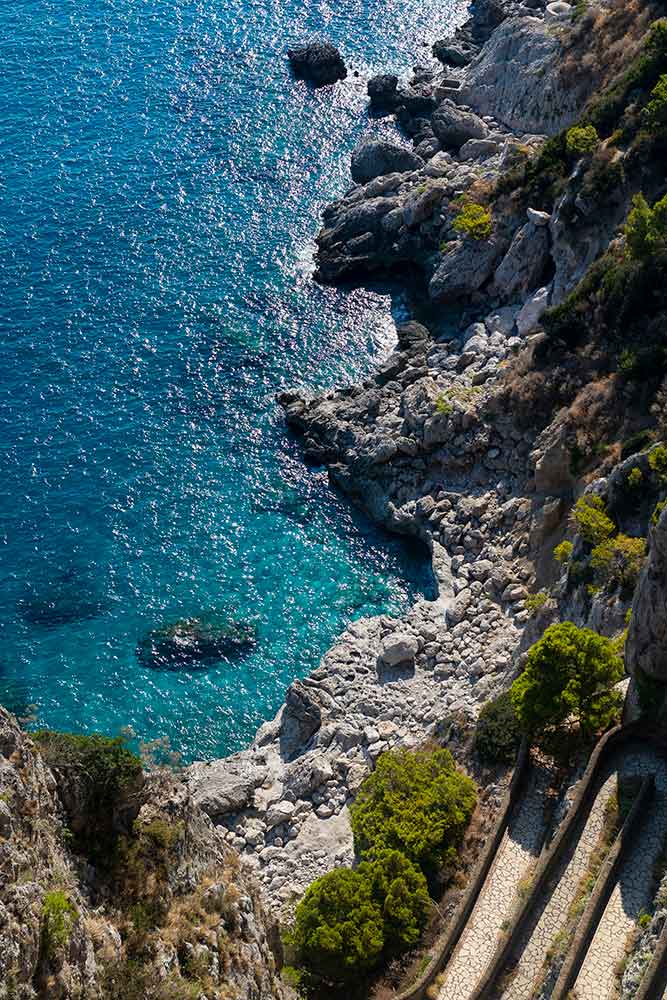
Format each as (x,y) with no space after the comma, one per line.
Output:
(161,178)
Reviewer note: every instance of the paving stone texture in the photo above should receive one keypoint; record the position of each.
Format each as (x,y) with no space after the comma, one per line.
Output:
(551,915)
(633,891)
(517,853)
(515,861)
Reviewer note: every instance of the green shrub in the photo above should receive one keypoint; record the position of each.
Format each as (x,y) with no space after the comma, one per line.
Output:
(473,220)
(534,602)
(570,320)
(628,362)
(563,551)
(581,140)
(591,519)
(657,459)
(399,888)
(655,112)
(102,775)
(606,110)
(635,443)
(416,802)
(634,479)
(130,979)
(443,406)
(58,917)
(646,229)
(349,921)
(338,929)
(498,735)
(657,511)
(617,561)
(569,675)
(141,863)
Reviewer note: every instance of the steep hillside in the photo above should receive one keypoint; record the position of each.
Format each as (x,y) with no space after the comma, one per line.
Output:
(114,885)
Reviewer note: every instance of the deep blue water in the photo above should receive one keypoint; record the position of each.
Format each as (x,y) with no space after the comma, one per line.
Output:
(161,177)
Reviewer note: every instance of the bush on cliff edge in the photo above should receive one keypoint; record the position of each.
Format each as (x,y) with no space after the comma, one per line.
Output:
(349,921)
(568,682)
(416,802)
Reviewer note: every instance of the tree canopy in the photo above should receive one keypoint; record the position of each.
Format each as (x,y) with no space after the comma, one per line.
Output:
(349,920)
(416,802)
(338,931)
(400,889)
(569,675)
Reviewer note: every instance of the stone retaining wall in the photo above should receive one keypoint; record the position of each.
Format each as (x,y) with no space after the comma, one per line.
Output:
(600,896)
(549,861)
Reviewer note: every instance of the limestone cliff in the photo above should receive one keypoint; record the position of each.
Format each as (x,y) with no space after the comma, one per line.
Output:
(646,647)
(70,929)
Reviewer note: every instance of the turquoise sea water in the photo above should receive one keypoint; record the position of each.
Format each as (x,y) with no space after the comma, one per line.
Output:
(161,177)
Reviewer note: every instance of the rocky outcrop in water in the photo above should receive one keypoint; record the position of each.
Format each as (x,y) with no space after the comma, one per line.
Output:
(197,642)
(320,62)
(462,438)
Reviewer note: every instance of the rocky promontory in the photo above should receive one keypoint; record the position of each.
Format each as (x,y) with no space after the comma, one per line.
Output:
(468,436)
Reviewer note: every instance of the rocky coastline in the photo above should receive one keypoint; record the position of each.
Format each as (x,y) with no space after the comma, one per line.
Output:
(483,434)
(428,446)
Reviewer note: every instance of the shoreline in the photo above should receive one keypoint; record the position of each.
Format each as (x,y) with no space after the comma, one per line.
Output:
(282,802)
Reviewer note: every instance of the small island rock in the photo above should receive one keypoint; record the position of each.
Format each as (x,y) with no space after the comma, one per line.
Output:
(382,90)
(317,61)
(195,642)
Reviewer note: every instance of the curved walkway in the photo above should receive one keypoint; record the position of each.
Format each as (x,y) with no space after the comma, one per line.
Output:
(519,849)
(552,914)
(634,889)
(528,975)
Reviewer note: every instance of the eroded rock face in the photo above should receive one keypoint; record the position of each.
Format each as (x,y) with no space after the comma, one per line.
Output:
(317,61)
(377,157)
(224,787)
(35,859)
(515,78)
(524,264)
(453,126)
(464,268)
(646,646)
(301,717)
(453,51)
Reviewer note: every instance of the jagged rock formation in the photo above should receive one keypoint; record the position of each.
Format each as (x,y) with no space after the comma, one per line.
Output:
(515,78)
(212,927)
(317,61)
(467,441)
(646,647)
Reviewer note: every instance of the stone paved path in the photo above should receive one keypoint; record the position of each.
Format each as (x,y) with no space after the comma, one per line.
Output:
(518,850)
(553,912)
(633,891)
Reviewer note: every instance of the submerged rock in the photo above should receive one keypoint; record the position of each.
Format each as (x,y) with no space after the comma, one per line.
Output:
(317,61)
(195,642)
